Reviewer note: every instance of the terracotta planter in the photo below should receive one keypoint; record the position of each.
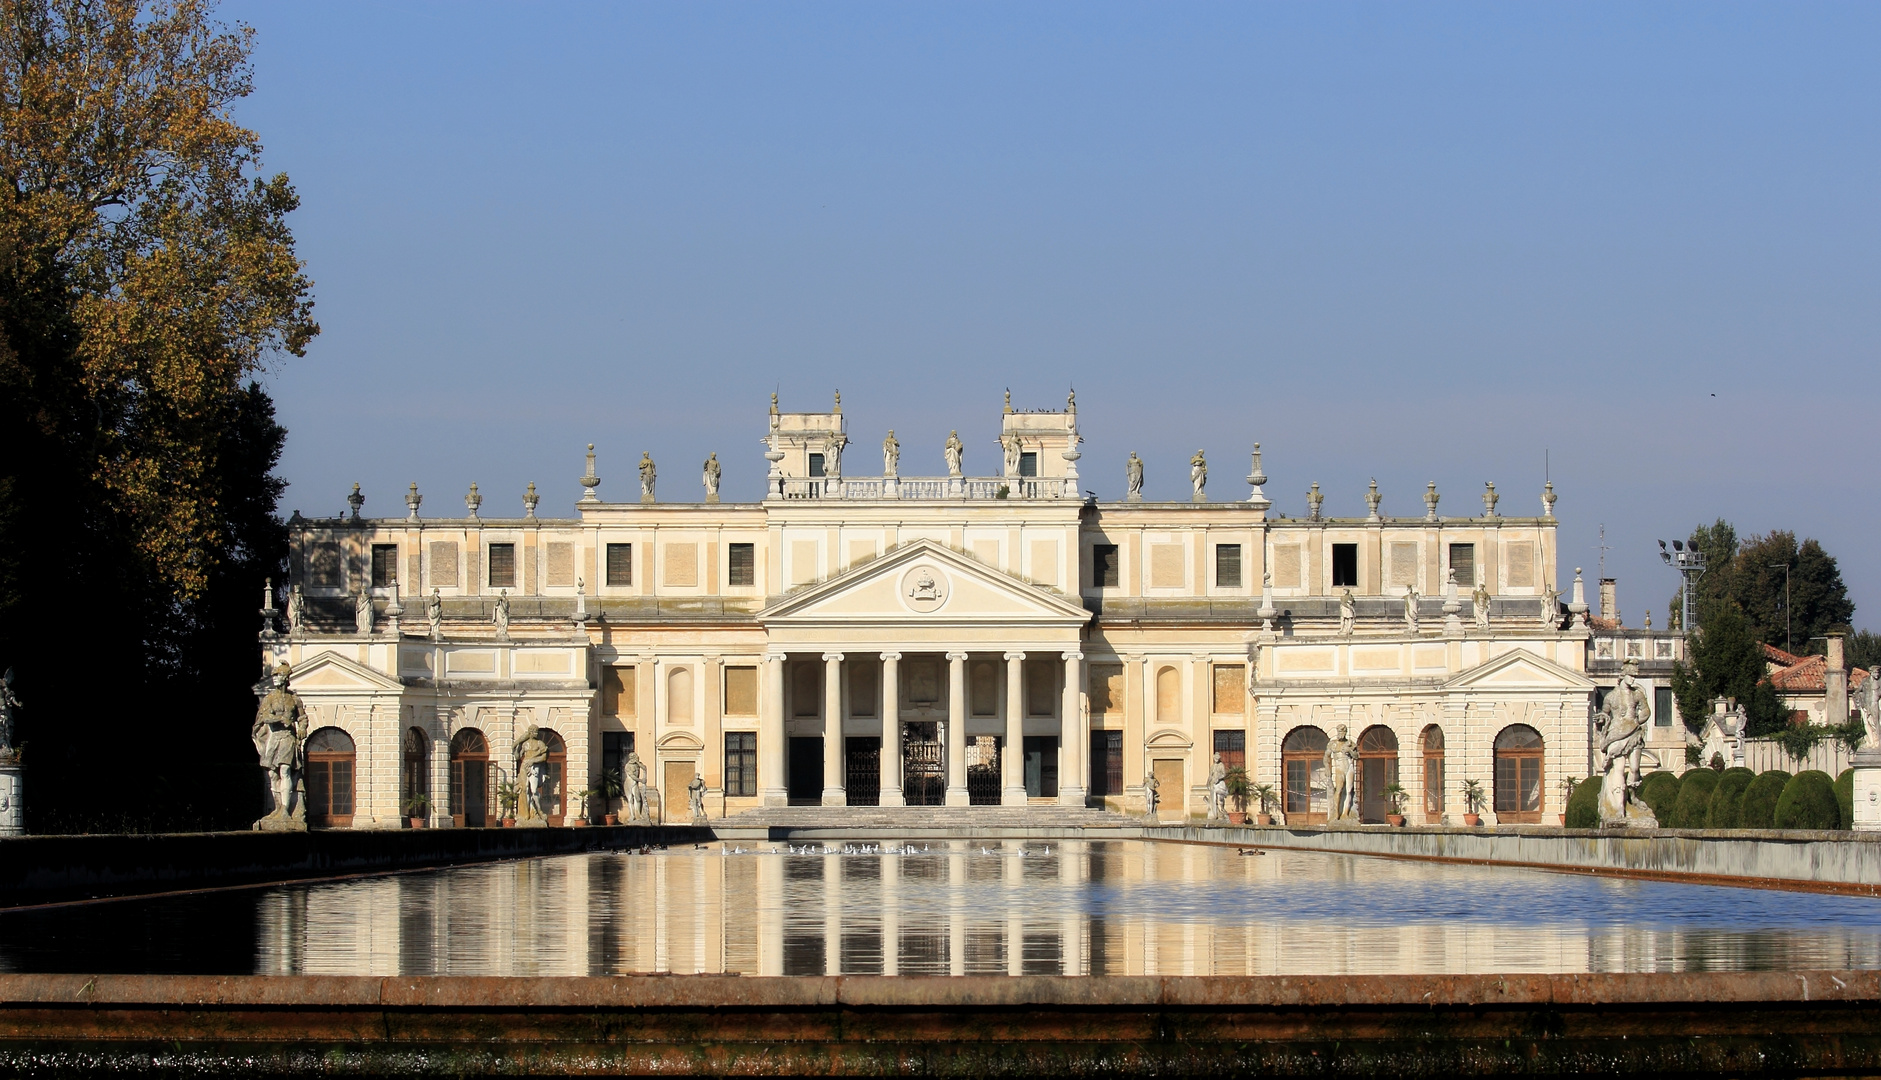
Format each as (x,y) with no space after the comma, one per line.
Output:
(1396,820)
(1237,819)
(417,823)
(1564,819)
(1473,820)
(611,819)
(1267,819)
(509,823)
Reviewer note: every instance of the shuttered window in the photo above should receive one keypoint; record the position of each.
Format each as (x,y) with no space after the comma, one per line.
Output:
(502,566)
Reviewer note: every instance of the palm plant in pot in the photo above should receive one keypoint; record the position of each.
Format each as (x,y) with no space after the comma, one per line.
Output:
(612,790)
(1473,799)
(1239,791)
(1266,796)
(507,796)
(417,808)
(589,799)
(1395,795)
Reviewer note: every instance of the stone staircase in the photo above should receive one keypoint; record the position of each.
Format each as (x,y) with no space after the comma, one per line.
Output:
(782,822)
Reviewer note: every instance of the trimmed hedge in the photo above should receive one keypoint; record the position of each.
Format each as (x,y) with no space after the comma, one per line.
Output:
(1757,810)
(1808,802)
(1695,789)
(1727,799)
(1583,809)
(1660,791)
(1845,797)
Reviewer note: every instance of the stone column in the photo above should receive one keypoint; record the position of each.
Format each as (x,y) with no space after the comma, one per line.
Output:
(772,791)
(891,730)
(1012,762)
(957,730)
(1074,738)
(12,796)
(833,757)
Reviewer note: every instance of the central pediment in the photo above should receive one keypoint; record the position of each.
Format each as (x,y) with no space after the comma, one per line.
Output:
(925,583)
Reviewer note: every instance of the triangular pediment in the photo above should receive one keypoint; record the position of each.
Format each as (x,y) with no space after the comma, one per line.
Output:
(332,673)
(1520,670)
(926,582)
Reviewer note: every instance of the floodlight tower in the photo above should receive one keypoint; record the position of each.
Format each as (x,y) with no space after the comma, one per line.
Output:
(1690,563)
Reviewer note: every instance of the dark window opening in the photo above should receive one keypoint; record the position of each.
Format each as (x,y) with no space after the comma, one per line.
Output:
(1345,566)
(741,763)
(1228,566)
(502,566)
(1232,746)
(1028,463)
(1463,561)
(620,565)
(1105,566)
(816,464)
(1106,764)
(1662,706)
(384,565)
(741,564)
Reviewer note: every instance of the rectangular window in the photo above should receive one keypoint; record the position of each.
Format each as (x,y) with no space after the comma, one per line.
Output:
(816,465)
(1662,707)
(1107,764)
(1028,463)
(741,691)
(384,565)
(615,746)
(741,564)
(1041,766)
(1228,566)
(1232,746)
(1463,561)
(502,566)
(1105,566)
(741,763)
(1345,566)
(620,565)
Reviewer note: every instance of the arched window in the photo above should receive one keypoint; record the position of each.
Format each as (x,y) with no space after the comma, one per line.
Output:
(415,777)
(330,757)
(1378,769)
(470,779)
(1168,697)
(1303,776)
(1518,774)
(1433,774)
(555,788)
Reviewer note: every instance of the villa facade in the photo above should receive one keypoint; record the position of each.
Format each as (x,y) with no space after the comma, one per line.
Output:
(947,640)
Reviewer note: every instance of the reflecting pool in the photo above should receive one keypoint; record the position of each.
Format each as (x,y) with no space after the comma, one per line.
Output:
(1123,907)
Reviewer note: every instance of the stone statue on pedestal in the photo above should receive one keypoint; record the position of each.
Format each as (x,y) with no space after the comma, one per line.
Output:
(1348,613)
(531,754)
(953,452)
(279,732)
(1550,607)
(9,717)
(647,476)
(502,615)
(434,614)
(712,472)
(1410,609)
(1619,740)
(1217,790)
(296,611)
(362,612)
(1480,600)
(1133,477)
(634,781)
(1341,779)
(1012,456)
(833,457)
(891,454)
(1198,476)
(1149,796)
(1868,699)
(695,798)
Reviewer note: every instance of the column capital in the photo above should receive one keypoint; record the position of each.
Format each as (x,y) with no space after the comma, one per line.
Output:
(1015,656)
(957,657)
(1073,656)
(829,657)
(891,656)
(775,657)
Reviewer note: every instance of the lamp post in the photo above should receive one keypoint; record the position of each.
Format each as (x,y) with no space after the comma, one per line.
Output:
(1789,640)
(1690,563)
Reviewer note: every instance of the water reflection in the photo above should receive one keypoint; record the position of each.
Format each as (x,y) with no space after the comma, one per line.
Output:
(956,908)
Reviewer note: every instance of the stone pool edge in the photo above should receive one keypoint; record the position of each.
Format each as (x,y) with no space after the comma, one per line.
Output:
(1741,1023)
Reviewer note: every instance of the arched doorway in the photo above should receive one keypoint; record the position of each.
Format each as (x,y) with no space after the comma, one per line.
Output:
(1378,769)
(1433,775)
(330,758)
(470,779)
(1518,775)
(1303,776)
(554,786)
(415,776)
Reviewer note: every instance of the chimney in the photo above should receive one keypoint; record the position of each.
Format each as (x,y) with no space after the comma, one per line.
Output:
(1609,600)
(1835,683)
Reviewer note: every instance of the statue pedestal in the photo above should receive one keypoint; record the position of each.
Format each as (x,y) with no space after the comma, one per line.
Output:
(12,797)
(271,823)
(1867,766)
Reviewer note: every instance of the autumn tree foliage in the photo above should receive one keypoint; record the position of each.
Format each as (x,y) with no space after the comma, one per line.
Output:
(147,276)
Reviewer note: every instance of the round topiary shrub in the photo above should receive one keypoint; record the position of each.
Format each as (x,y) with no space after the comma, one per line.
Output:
(1659,790)
(1757,809)
(1727,799)
(1583,810)
(1808,802)
(1845,797)
(1695,789)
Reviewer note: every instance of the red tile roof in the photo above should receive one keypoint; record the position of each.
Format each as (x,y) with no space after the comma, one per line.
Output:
(1807,674)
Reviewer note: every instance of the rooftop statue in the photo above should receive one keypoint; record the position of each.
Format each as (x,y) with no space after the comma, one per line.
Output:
(891,454)
(279,734)
(833,457)
(1410,609)
(1348,613)
(1198,476)
(647,476)
(1133,477)
(296,611)
(502,615)
(953,452)
(1013,447)
(712,472)
(362,612)
(434,614)
(1480,599)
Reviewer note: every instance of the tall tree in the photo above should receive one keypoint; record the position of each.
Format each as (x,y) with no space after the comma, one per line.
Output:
(1726,660)
(147,273)
(1749,574)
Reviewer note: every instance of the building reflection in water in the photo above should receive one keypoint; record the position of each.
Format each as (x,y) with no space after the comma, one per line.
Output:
(1036,908)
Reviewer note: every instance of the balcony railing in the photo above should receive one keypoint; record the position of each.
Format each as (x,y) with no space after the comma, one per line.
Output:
(925,488)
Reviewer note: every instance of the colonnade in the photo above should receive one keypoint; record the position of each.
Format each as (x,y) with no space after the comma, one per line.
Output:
(1073,733)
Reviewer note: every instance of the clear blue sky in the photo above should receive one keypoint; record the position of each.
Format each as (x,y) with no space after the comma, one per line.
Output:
(1416,242)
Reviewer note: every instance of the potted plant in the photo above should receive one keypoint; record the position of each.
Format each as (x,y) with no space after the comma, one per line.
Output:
(588,800)
(507,797)
(417,808)
(612,790)
(1394,797)
(1239,791)
(1473,800)
(1265,795)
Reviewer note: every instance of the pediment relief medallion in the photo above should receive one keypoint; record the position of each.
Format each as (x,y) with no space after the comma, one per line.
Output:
(925,588)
